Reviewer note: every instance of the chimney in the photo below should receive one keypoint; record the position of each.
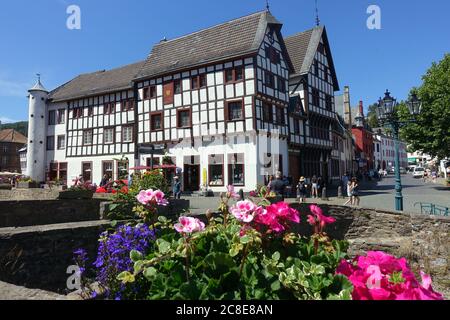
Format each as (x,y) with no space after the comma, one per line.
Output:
(361,108)
(347,107)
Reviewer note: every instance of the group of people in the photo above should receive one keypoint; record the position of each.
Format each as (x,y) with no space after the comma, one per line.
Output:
(283,186)
(352,189)
(313,186)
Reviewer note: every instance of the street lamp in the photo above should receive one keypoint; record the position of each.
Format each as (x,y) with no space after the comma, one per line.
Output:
(386,113)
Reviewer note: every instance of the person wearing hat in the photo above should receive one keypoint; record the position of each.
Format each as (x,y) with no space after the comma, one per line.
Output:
(176,188)
(302,190)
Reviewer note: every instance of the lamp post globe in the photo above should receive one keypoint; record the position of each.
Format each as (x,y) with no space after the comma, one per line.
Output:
(414,105)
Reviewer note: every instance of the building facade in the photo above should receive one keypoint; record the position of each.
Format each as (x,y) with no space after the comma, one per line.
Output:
(11,142)
(314,133)
(363,137)
(226,105)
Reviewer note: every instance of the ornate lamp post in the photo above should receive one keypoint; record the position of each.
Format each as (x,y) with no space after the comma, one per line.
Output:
(386,113)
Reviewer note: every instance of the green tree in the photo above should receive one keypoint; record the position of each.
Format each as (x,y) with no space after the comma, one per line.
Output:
(431,132)
(21,127)
(372,119)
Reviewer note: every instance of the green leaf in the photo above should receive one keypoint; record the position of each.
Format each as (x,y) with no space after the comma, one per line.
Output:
(138,265)
(275,286)
(245,239)
(135,255)
(114,223)
(126,277)
(162,219)
(150,273)
(276,256)
(163,246)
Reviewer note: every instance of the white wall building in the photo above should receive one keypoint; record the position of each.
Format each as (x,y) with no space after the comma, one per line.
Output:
(225,104)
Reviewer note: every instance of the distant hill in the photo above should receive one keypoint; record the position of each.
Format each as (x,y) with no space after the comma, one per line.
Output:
(21,127)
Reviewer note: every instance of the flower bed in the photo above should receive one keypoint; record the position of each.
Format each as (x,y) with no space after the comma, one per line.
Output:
(250,252)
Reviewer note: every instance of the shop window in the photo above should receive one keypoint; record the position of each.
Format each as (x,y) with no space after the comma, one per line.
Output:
(216,172)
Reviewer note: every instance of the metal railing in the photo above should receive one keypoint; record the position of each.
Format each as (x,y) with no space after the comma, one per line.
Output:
(432,209)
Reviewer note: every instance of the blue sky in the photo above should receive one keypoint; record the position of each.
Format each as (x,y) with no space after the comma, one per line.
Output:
(35,39)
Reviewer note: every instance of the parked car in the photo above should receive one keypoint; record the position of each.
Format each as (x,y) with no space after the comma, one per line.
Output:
(402,170)
(418,172)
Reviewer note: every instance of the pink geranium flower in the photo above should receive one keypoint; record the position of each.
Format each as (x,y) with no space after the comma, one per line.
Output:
(150,197)
(318,219)
(277,217)
(244,211)
(380,276)
(189,225)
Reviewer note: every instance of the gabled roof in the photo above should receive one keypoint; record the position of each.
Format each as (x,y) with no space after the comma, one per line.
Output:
(302,48)
(97,83)
(13,136)
(227,40)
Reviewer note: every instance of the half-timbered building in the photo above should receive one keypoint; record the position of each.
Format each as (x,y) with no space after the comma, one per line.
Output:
(226,105)
(312,85)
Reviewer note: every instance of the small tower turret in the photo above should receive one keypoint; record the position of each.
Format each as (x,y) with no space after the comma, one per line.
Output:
(359,119)
(37,131)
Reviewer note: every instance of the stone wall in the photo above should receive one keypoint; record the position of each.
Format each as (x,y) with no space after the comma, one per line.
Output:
(423,240)
(29,194)
(42,212)
(38,257)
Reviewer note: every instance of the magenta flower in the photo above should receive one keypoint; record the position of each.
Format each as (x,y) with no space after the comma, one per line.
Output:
(189,225)
(379,276)
(318,219)
(277,217)
(150,197)
(244,211)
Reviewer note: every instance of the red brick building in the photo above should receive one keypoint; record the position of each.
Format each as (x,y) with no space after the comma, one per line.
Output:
(364,141)
(11,142)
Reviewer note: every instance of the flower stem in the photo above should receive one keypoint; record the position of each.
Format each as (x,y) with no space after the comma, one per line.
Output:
(243,259)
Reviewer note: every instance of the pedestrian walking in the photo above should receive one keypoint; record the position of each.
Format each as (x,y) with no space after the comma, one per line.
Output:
(355,192)
(314,187)
(278,186)
(176,188)
(302,189)
(349,188)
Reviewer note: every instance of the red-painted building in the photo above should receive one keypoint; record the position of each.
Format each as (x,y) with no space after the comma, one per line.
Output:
(364,141)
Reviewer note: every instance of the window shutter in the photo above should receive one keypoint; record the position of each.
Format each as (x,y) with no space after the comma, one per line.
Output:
(168,93)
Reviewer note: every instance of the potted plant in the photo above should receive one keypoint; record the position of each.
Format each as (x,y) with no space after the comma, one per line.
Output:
(80,190)
(27,183)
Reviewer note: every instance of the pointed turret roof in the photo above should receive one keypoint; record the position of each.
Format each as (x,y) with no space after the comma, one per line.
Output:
(38,86)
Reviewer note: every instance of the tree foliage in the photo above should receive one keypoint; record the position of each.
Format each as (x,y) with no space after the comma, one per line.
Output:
(372,116)
(21,127)
(431,132)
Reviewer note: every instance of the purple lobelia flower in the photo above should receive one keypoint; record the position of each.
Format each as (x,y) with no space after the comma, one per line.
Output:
(114,255)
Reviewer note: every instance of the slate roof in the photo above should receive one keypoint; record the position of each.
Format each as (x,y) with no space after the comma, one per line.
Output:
(297,46)
(11,135)
(227,40)
(97,83)
(302,48)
